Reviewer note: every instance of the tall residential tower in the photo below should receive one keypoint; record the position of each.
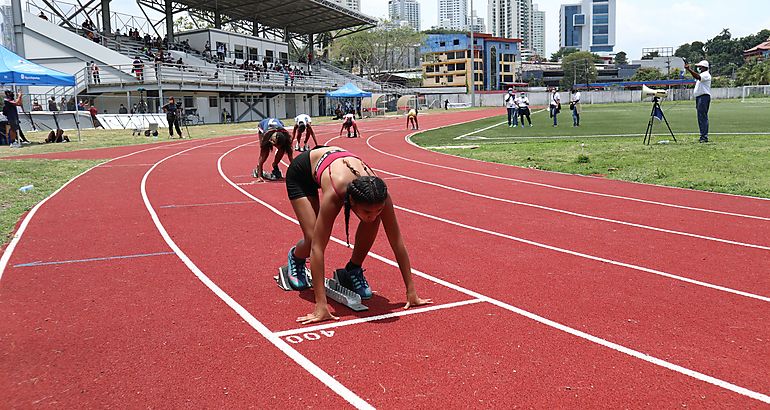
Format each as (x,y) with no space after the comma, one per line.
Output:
(538,31)
(453,14)
(588,26)
(405,10)
(511,19)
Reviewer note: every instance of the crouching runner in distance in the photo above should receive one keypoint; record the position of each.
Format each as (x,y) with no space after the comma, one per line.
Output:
(346,182)
(272,134)
(303,124)
(411,118)
(349,123)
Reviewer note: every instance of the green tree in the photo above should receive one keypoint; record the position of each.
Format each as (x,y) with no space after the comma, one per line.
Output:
(621,58)
(675,74)
(563,52)
(692,52)
(753,73)
(579,68)
(647,74)
(650,55)
(376,50)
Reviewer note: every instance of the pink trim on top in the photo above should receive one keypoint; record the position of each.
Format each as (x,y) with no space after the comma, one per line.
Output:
(328,161)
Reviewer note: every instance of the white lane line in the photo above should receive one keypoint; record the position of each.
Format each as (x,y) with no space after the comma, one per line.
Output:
(284,347)
(580,191)
(483,129)
(210,204)
(480,130)
(406,312)
(23,227)
(562,211)
(125,165)
(587,256)
(614,346)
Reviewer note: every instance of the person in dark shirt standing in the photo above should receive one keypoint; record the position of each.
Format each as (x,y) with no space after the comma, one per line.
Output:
(172,115)
(11,112)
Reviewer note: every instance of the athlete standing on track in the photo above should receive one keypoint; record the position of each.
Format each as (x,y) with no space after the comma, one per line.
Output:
(272,134)
(411,118)
(303,124)
(345,182)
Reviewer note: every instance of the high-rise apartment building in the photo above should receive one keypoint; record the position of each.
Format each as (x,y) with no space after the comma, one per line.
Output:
(477,23)
(351,4)
(405,10)
(538,31)
(453,14)
(588,26)
(511,19)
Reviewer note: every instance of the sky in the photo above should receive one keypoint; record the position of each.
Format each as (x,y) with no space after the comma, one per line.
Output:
(640,23)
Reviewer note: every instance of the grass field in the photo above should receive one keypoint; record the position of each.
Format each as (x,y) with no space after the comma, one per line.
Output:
(46,175)
(609,143)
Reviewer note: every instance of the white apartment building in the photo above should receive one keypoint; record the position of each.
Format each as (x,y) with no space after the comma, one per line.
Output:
(351,4)
(538,31)
(453,14)
(511,19)
(405,10)
(477,23)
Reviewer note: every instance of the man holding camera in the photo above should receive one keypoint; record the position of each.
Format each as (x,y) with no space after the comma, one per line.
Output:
(702,94)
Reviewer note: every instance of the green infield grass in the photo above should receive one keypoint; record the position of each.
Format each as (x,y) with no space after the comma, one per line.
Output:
(608,143)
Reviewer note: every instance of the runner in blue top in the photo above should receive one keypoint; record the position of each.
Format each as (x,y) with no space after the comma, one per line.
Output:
(272,134)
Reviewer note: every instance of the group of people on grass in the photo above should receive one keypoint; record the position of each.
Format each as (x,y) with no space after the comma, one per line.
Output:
(518,107)
(348,185)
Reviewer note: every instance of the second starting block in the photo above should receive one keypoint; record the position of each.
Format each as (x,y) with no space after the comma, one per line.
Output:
(334,290)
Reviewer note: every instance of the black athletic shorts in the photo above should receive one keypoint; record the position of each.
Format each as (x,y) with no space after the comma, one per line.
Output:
(299,178)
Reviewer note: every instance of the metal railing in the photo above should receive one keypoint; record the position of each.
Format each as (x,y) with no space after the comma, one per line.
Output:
(118,21)
(187,75)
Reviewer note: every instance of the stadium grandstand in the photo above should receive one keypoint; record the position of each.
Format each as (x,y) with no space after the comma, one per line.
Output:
(242,61)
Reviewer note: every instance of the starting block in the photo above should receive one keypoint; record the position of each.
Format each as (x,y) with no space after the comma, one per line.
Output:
(334,290)
(343,295)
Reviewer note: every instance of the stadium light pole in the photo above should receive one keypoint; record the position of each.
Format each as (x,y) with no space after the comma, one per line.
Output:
(473,61)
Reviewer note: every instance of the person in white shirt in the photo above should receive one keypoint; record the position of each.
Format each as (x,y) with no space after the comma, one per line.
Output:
(555,105)
(510,105)
(303,124)
(574,105)
(702,94)
(523,102)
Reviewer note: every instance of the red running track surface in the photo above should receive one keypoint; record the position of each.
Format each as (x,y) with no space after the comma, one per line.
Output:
(551,290)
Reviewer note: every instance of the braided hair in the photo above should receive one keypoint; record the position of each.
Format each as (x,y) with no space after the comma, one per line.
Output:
(366,189)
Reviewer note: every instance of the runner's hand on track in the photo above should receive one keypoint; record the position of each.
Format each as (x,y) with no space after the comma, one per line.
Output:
(321,313)
(414,300)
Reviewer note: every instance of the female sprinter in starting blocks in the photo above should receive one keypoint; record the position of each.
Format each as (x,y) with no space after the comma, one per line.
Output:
(411,118)
(346,183)
(272,134)
(349,123)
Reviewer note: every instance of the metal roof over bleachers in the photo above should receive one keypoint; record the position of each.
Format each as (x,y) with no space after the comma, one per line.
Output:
(296,16)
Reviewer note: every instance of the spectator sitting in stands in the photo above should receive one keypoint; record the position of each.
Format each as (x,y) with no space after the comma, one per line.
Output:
(122,109)
(36,105)
(52,105)
(207,48)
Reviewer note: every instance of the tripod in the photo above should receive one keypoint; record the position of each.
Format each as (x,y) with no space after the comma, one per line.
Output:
(656,110)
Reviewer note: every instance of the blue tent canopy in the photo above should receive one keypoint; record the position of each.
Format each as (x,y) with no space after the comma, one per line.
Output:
(348,90)
(16,70)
